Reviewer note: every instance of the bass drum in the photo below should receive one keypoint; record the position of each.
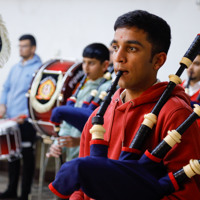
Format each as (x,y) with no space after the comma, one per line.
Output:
(52,84)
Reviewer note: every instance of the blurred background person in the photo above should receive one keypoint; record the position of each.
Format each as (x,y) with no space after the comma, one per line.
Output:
(13,104)
(192,84)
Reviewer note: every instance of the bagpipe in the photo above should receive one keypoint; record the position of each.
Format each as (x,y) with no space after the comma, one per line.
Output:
(132,176)
(4,43)
(77,116)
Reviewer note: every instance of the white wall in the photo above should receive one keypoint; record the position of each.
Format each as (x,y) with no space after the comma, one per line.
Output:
(65,27)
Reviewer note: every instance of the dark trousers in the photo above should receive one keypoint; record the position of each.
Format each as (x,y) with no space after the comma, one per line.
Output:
(28,134)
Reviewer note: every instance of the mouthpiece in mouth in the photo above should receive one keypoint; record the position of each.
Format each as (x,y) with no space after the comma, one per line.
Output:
(124,72)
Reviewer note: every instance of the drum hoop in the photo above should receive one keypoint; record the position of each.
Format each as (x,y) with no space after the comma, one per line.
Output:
(41,122)
(33,121)
(69,71)
(11,129)
(6,125)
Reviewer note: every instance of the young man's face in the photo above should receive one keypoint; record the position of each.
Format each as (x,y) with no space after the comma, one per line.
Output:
(94,68)
(132,54)
(25,49)
(194,69)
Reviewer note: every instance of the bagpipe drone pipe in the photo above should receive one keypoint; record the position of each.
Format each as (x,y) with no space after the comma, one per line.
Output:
(77,116)
(144,176)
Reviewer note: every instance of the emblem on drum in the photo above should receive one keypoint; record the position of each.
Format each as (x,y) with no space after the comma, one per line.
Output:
(46,88)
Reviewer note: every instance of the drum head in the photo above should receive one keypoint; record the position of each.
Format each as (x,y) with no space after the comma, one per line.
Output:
(10,140)
(54,82)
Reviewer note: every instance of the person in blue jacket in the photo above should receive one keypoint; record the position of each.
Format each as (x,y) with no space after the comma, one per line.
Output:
(13,104)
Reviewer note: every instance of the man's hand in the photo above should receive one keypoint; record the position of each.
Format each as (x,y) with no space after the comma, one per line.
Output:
(69,141)
(2,110)
(21,118)
(54,151)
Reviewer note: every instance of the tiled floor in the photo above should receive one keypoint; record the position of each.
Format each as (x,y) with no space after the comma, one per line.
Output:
(46,194)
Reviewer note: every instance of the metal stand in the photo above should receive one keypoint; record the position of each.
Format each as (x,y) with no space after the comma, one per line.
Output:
(46,141)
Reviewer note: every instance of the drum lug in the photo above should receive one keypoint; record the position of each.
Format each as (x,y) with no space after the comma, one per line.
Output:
(60,97)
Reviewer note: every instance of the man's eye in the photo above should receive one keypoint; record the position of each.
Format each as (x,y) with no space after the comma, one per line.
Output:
(115,47)
(132,48)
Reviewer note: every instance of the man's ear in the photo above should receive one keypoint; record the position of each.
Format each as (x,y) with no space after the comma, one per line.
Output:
(33,49)
(105,65)
(158,60)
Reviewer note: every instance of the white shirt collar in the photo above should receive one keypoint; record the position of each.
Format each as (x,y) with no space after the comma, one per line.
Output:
(193,89)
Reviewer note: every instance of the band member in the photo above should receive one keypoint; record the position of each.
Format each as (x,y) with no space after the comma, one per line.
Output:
(13,104)
(95,64)
(192,84)
(141,42)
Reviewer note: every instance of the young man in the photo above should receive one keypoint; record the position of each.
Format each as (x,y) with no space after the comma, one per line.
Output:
(141,42)
(95,63)
(192,85)
(13,104)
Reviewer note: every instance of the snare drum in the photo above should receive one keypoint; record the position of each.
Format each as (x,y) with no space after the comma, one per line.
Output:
(10,139)
(51,86)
